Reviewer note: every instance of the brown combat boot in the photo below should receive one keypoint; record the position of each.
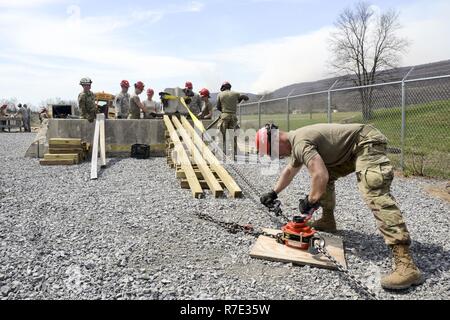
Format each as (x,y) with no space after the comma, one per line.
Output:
(405,273)
(325,224)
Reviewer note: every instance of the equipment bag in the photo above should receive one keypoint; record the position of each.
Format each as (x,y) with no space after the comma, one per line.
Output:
(140,151)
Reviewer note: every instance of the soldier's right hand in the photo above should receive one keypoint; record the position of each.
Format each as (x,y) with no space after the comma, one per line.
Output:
(269,198)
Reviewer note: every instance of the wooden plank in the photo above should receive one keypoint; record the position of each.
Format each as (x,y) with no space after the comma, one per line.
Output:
(233,188)
(182,175)
(44,162)
(185,184)
(203,167)
(73,157)
(194,185)
(65,141)
(94,169)
(101,118)
(65,151)
(268,249)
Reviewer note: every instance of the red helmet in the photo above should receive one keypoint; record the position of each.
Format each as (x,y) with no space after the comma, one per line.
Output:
(150,92)
(189,85)
(264,140)
(139,85)
(204,93)
(125,84)
(4,106)
(225,86)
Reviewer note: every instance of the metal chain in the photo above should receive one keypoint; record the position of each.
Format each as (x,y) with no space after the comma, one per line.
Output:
(358,284)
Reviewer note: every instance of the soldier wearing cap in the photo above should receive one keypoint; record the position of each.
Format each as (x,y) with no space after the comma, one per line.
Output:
(122,101)
(153,107)
(136,105)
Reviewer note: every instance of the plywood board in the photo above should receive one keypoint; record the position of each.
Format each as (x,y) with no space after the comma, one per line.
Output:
(268,249)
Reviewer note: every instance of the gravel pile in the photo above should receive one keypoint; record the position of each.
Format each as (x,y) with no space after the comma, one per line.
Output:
(133,234)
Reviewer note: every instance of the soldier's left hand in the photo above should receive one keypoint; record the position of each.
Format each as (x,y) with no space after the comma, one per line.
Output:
(307,208)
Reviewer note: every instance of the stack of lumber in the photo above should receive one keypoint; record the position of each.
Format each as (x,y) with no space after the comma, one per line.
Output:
(195,165)
(65,151)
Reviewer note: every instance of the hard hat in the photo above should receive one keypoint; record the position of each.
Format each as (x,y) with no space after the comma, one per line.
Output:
(125,84)
(204,93)
(139,85)
(225,86)
(150,92)
(85,81)
(264,140)
(189,85)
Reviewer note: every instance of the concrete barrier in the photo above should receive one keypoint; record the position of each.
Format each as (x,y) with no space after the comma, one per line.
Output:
(120,135)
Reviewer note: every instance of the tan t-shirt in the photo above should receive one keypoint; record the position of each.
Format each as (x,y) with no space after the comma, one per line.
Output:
(228,101)
(333,142)
(135,111)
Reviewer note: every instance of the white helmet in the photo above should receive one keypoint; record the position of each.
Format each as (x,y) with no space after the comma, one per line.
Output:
(85,81)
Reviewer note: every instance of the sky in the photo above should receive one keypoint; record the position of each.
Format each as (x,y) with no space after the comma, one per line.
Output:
(47,46)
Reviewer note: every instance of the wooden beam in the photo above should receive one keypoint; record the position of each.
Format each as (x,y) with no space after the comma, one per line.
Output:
(185,184)
(94,169)
(213,184)
(60,162)
(195,186)
(101,118)
(65,141)
(229,182)
(52,157)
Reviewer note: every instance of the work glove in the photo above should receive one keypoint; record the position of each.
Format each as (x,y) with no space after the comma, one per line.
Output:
(268,199)
(307,208)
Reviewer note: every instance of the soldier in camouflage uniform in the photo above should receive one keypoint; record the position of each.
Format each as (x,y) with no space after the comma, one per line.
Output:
(136,105)
(192,99)
(332,151)
(122,101)
(227,103)
(86,101)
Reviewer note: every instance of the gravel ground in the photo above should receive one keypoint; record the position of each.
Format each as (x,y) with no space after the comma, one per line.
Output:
(133,235)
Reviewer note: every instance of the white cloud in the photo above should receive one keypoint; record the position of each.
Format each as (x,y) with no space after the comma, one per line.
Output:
(25,3)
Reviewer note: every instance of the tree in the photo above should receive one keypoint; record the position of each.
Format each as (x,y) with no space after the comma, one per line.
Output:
(364,44)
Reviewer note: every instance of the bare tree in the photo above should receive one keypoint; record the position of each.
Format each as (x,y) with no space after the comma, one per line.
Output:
(364,44)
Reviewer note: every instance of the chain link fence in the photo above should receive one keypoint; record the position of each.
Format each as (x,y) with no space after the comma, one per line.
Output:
(413,114)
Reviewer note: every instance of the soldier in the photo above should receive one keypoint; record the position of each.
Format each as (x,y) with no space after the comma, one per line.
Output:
(135,102)
(227,102)
(21,115)
(27,118)
(207,109)
(331,151)
(122,101)
(43,114)
(193,100)
(3,114)
(153,107)
(86,101)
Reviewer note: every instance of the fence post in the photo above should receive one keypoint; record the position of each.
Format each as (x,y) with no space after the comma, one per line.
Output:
(240,114)
(403,132)
(288,119)
(259,112)
(402,155)
(329,100)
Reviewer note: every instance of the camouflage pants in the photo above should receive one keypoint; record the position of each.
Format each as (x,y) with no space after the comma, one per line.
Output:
(228,121)
(89,114)
(374,174)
